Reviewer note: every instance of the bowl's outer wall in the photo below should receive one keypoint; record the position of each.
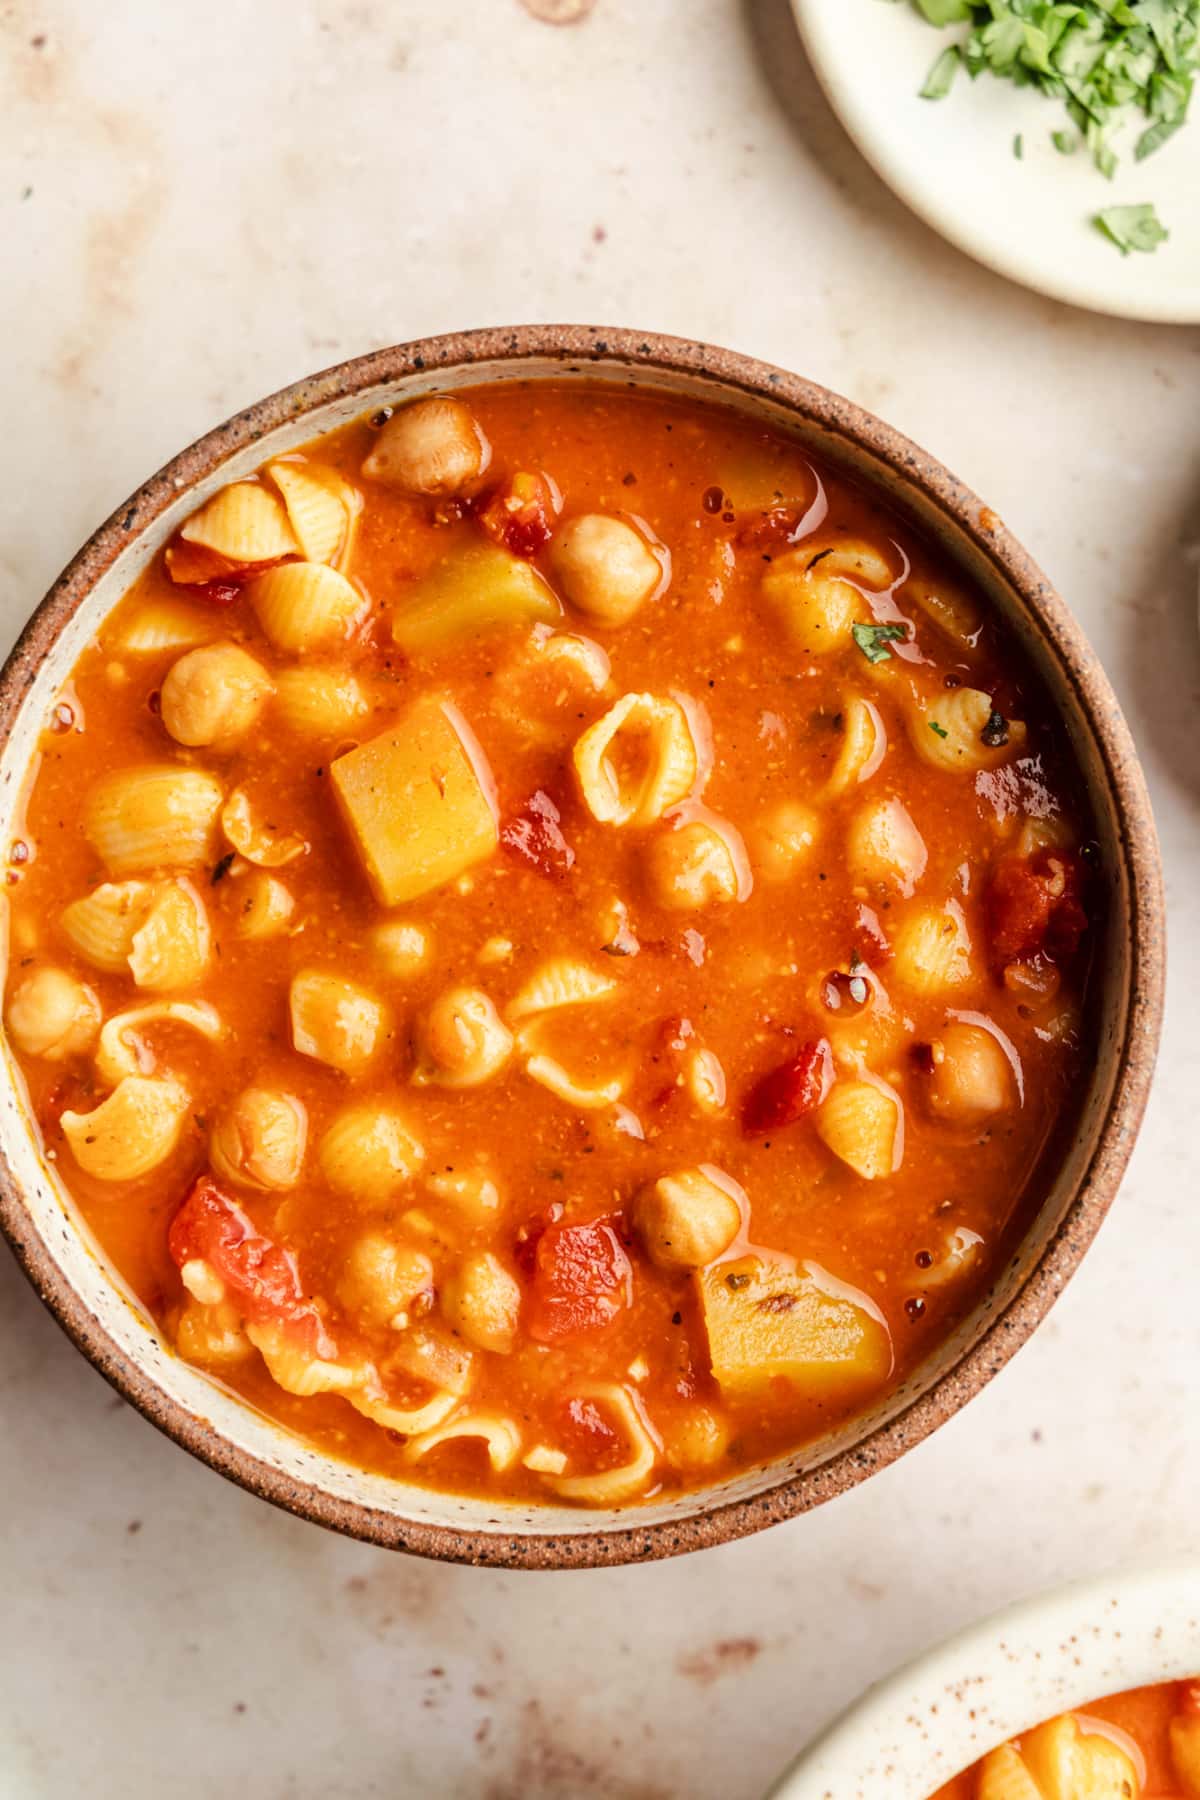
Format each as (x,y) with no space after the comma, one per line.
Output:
(113,1331)
(1050,1654)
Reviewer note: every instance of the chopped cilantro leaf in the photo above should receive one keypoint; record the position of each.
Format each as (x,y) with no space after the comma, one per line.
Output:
(940,78)
(1063,142)
(873,639)
(1131,227)
(940,729)
(1019,147)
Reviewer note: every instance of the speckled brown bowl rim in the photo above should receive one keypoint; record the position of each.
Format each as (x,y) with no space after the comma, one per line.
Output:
(714,1521)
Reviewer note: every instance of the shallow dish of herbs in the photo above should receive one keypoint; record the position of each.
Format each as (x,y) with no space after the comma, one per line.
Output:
(1049,139)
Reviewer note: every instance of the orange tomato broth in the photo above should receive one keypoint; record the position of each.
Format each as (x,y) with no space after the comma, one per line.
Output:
(744,980)
(1141,1717)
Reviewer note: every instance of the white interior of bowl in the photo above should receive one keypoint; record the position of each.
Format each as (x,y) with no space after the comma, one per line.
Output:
(125,1322)
(1047,1655)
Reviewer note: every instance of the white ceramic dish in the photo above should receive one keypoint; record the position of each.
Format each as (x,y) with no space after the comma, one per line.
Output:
(1047,1655)
(952,162)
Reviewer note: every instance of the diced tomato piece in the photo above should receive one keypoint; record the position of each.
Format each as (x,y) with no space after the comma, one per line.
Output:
(1035,904)
(773,529)
(535,835)
(261,1276)
(520,514)
(785,1094)
(589,1436)
(582,1278)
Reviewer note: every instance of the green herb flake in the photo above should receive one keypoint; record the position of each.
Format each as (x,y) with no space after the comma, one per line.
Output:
(1131,227)
(1019,147)
(940,78)
(940,729)
(872,640)
(1063,142)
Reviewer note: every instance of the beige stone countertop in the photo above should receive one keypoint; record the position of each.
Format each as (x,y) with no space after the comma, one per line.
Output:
(200,203)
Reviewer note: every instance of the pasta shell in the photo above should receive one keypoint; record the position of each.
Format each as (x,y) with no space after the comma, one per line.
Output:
(298,1371)
(407,1421)
(320,702)
(150,817)
(243,523)
(1003,1776)
(705,1080)
(614,1485)
(265,906)
(103,925)
(860,1123)
(318,516)
(883,845)
(864,746)
(334,1021)
(212,1335)
(258,1140)
(948,607)
(169,625)
(817,591)
(121,1052)
(369,1154)
(562,981)
(173,946)
(498,1433)
(305,606)
(636,762)
(130,1133)
(542,1460)
(551,1074)
(259,843)
(947,732)
(932,949)
(461,1040)
(401,947)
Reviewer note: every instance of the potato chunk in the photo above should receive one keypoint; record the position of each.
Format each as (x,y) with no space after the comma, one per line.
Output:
(763,1320)
(476,589)
(418,802)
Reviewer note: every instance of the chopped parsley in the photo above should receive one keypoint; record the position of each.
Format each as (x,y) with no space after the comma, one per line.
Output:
(872,640)
(1109,62)
(940,729)
(1131,227)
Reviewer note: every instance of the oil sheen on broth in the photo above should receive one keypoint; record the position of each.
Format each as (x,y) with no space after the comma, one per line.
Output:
(548,943)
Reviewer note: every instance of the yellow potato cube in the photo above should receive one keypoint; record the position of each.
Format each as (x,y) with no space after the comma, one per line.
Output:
(763,1320)
(418,802)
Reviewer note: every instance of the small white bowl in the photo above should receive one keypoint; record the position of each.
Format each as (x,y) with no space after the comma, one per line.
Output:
(1047,1655)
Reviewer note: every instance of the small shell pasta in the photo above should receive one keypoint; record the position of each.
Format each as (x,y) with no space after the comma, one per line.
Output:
(369,1153)
(130,1133)
(954,731)
(152,817)
(932,949)
(51,1014)
(212,1334)
(120,1050)
(405,1421)
(550,1074)
(637,761)
(318,515)
(883,846)
(401,947)
(264,905)
(258,1141)
(102,925)
(258,842)
(947,606)
(810,588)
(334,1021)
(498,1433)
(697,863)
(305,606)
(861,1123)
(614,1485)
(244,523)
(169,625)
(320,703)
(297,1370)
(172,947)
(561,981)
(864,746)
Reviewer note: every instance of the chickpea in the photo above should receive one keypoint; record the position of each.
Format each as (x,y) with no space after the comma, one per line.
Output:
(400,948)
(213,695)
(782,839)
(883,845)
(382,1280)
(482,1302)
(461,1040)
(434,446)
(694,1438)
(971,1075)
(259,1140)
(685,1220)
(53,1015)
(690,867)
(605,567)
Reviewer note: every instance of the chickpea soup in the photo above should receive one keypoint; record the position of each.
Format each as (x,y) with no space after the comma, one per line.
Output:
(548,943)
(1141,1745)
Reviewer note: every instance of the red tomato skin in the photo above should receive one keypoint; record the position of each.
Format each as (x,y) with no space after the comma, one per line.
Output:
(260,1274)
(1036,904)
(787,1093)
(535,835)
(582,1278)
(519,514)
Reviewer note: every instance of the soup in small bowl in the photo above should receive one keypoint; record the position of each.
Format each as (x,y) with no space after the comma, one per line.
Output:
(570,944)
